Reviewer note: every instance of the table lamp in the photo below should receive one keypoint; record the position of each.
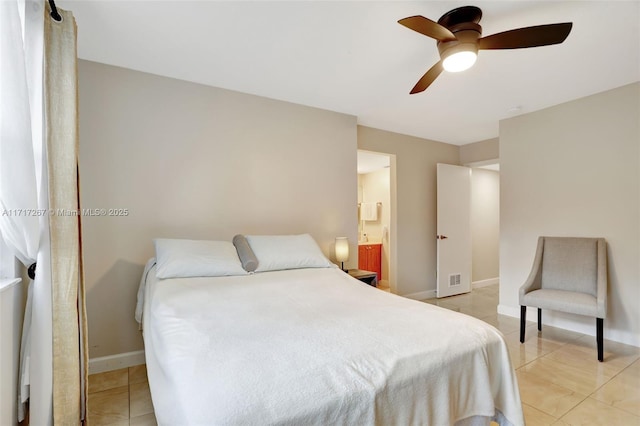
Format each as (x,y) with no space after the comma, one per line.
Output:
(342,250)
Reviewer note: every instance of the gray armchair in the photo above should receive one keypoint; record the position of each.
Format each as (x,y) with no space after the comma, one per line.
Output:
(568,275)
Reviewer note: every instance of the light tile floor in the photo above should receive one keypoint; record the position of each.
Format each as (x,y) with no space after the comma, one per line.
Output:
(120,398)
(561,382)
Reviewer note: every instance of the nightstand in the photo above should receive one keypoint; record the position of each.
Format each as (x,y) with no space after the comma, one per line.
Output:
(368,277)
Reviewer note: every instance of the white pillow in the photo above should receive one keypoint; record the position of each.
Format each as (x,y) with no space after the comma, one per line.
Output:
(277,252)
(196,258)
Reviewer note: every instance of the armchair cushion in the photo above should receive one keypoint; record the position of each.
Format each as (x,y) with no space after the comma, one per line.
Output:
(570,264)
(564,301)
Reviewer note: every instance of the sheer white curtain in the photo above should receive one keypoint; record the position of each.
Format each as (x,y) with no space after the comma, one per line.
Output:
(23,190)
(18,189)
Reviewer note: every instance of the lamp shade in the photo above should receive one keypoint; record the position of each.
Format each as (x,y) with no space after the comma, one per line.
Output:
(459,61)
(342,249)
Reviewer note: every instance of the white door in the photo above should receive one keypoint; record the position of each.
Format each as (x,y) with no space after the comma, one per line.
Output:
(453,230)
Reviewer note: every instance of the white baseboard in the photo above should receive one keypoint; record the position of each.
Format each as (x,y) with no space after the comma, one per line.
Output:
(577,323)
(431,294)
(421,295)
(115,362)
(510,311)
(484,283)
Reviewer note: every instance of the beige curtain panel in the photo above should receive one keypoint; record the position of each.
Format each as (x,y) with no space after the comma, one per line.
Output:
(68,298)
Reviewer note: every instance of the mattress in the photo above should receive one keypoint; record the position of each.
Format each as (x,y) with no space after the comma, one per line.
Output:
(317,347)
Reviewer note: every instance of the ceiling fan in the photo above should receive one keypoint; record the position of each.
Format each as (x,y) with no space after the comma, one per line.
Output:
(459,39)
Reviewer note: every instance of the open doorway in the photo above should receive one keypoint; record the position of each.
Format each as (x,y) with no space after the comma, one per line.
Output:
(376,225)
(468,227)
(485,223)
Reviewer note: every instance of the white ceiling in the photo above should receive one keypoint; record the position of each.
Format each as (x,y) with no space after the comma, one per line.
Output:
(353,57)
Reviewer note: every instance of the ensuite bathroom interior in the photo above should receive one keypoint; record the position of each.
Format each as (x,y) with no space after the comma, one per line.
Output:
(374,215)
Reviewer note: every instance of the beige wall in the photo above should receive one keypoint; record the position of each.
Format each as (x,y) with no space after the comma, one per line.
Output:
(374,187)
(190,161)
(485,225)
(479,152)
(415,171)
(574,170)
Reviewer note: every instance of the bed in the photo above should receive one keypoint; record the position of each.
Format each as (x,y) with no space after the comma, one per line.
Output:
(313,346)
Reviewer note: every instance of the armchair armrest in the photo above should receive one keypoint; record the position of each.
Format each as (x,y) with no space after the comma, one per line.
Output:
(534,281)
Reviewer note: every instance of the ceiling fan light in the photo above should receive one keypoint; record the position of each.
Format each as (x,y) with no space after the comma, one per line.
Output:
(459,61)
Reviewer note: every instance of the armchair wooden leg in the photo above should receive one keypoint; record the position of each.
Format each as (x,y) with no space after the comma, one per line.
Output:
(539,319)
(599,337)
(523,319)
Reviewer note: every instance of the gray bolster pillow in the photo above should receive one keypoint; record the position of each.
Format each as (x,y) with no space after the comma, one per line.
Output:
(247,256)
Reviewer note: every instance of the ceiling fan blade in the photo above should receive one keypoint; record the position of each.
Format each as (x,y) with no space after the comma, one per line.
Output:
(540,35)
(427,78)
(427,27)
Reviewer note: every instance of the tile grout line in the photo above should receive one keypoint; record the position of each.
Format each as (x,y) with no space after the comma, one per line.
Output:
(592,395)
(558,385)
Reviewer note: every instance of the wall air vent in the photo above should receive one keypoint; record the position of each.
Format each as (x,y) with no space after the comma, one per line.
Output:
(454,280)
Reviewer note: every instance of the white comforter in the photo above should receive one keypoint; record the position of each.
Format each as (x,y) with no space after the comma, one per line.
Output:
(317,347)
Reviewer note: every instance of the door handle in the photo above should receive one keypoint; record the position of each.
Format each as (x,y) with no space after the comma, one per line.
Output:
(441,237)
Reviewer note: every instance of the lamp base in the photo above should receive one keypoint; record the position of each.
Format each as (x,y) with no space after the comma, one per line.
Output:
(342,267)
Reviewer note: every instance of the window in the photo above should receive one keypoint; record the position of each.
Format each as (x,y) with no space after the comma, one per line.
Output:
(8,262)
